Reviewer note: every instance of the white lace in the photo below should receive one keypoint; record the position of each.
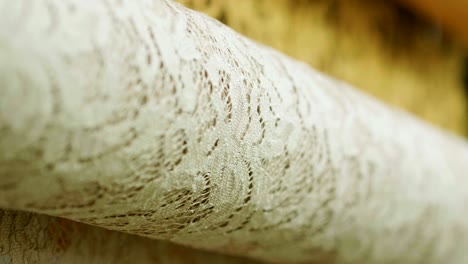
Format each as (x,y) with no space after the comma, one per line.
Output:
(151,119)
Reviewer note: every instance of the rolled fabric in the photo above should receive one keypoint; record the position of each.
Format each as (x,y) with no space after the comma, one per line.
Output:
(33,238)
(151,119)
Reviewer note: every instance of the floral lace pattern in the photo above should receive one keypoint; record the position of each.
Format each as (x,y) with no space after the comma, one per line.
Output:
(151,119)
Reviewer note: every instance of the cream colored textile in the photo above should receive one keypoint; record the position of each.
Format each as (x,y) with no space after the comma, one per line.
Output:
(147,118)
(32,238)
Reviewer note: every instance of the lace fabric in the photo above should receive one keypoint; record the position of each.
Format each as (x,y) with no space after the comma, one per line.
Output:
(33,238)
(154,120)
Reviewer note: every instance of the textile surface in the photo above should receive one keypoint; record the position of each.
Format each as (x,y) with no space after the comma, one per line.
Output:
(376,46)
(148,118)
(33,238)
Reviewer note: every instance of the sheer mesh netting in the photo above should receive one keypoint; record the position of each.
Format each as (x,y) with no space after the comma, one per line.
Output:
(151,119)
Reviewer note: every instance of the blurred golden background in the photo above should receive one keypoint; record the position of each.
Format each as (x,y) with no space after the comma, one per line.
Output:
(377,46)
